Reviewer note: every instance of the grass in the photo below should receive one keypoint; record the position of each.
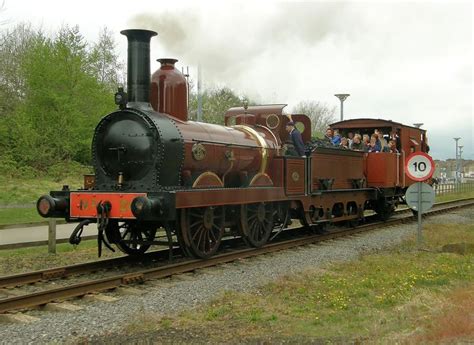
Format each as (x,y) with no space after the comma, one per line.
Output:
(403,295)
(21,190)
(27,189)
(454,196)
(19,215)
(36,258)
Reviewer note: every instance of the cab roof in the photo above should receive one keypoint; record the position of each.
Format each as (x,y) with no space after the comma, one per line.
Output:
(370,123)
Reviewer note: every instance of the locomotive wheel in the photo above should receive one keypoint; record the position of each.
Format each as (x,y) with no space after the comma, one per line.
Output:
(256,223)
(129,237)
(202,230)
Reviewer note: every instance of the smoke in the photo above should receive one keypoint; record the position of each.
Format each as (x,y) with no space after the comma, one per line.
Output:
(398,60)
(229,39)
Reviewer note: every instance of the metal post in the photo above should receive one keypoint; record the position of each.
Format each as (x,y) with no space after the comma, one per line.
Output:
(342,97)
(52,235)
(457,159)
(199,95)
(342,110)
(420,235)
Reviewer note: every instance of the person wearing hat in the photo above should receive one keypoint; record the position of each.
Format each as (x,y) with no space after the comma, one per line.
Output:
(296,138)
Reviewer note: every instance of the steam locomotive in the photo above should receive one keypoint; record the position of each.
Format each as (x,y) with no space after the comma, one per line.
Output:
(156,171)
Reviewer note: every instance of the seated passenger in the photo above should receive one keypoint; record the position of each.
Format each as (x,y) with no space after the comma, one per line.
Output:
(365,142)
(374,145)
(336,139)
(391,147)
(328,136)
(344,143)
(350,138)
(381,140)
(357,143)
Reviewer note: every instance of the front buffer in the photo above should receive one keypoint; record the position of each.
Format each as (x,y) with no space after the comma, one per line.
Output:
(115,214)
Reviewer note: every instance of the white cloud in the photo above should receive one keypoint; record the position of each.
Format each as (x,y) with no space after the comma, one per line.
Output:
(406,61)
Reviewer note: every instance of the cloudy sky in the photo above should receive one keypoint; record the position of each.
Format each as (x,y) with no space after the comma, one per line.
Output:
(405,61)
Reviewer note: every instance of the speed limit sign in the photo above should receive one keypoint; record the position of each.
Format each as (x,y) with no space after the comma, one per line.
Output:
(419,166)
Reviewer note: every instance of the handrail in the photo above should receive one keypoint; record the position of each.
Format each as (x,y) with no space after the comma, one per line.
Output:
(403,165)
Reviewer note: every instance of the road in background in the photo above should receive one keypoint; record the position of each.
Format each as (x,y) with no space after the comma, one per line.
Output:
(39,233)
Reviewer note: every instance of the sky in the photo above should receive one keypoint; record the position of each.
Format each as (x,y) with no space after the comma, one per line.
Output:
(406,61)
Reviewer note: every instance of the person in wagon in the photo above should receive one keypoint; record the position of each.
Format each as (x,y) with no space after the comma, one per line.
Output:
(336,139)
(391,147)
(374,145)
(357,144)
(344,143)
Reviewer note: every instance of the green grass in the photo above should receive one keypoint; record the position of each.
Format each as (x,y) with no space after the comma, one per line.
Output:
(19,215)
(454,196)
(385,296)
(26,190)
(35,258)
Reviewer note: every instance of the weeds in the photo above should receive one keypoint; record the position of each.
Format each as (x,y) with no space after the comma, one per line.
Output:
(402,295)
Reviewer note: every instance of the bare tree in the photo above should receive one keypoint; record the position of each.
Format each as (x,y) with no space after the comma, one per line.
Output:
(2,9)
(321,115)
(105,62)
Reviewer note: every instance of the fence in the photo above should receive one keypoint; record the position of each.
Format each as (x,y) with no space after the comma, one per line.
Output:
(444,188)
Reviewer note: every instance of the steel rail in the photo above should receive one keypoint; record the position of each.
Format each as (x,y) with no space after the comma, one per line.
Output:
(81,289)
(87,267)
(66,271)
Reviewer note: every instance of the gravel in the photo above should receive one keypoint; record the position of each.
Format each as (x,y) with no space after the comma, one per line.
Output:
(172,296)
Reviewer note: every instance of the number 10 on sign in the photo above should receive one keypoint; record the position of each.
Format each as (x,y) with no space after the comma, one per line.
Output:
(419,166)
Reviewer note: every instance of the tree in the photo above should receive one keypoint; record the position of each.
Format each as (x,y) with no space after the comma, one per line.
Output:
(104,61)
(14,45)
(215,103)
(62,105)
(321,115)
(2,8)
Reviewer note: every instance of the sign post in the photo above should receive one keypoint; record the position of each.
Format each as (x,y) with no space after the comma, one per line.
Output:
(420,196)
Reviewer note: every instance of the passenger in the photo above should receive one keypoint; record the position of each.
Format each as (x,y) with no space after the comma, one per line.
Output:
(336,139)
(350,138)
(344,143)
(357,143)
(329,135)
(374,145)
(365,142)
(296,138)
(394,136)
(391,147)
(381,139)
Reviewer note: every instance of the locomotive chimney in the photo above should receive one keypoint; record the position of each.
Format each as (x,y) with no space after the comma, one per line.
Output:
(138,64)
(169,90)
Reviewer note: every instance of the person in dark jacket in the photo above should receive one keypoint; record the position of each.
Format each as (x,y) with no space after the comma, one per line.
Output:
(296,138)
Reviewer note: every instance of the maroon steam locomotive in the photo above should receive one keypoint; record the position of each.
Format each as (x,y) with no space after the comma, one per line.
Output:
(154,169)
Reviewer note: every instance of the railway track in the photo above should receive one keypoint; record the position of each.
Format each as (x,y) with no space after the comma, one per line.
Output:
(38,298)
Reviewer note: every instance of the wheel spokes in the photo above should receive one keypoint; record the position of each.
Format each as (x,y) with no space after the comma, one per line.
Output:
(256,223)
(133,237)
(204,227)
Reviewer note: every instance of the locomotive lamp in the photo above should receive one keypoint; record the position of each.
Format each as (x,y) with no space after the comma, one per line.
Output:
(342,97)
(121,98)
